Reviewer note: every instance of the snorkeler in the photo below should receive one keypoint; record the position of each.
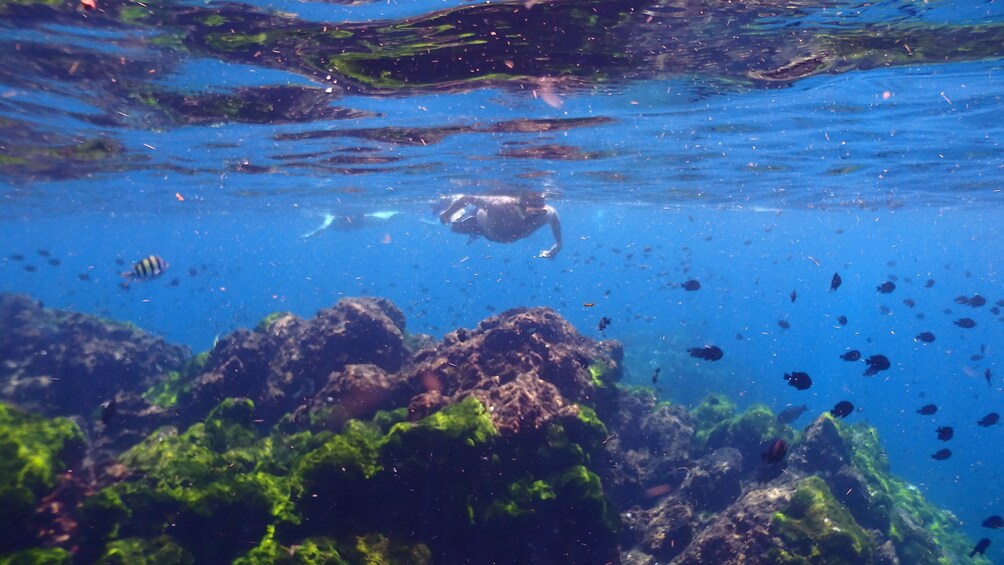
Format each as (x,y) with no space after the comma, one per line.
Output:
(504,219)
(351,220)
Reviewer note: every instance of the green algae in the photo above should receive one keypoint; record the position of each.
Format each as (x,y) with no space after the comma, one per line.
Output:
(38,556)
(33,451)
(157,551)
(267,321)
(818,530)
(176,384)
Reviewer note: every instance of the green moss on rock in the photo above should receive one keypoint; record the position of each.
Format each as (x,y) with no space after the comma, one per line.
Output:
(38,556)
(161,550)
(33,451)
(817,529)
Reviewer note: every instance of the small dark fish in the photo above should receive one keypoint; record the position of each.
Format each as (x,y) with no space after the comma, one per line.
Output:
(989,420)
(987,375)
(108,411)
(30,268)
(976,301)
(784,324)
(791,413)
(942,454)
(44,252)
(175,282)
(119,261)
(84,277)
(604,323)
(800,381)
(691,285)
(962,300)
(794,295)
(835,282)
(842,320)
(876,363)
(929,283)
(55,262)
(886,287)
(775,451)
(945,433)
(842,409)
(926,337)
(852,355)
(910,303)
(928,409)
(981,547)
(146,269)
(965,323)
(193,272)
(17,257)
(708,352)
(995,522)
(655,375)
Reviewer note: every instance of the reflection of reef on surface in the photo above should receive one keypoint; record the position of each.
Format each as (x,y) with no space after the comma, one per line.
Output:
(342,438)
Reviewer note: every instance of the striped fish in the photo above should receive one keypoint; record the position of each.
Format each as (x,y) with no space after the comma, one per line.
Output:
(146,269)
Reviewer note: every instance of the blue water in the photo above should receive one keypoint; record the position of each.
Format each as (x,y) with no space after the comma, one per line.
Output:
(885,174)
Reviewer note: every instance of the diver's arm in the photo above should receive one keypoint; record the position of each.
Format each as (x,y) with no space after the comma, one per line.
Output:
(552,218)
(458,204)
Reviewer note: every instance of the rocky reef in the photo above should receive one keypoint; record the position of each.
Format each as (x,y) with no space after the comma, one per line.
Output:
(344,439)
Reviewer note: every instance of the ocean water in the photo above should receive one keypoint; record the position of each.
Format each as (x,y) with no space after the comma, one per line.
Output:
(756,149)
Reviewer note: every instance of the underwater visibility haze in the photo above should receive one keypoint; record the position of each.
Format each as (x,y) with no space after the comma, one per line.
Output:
(755,319)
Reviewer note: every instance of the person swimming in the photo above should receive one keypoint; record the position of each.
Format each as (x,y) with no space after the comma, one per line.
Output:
(351,220)
(503,219)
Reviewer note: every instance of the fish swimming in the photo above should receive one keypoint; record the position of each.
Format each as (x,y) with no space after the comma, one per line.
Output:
(981,547)
(987,375)
(995,522)
(791,413)
(604,323)
(691,285)
(775,451)
(800,381)
(842,409)
(852,355)
(794,295)
(945,433)
(876,363)
(966,323)
(926,337)
(842,320)
(942,454)
(148,268)
(989,420)
(886,287)
(835,282)
(928,409)
(708,352)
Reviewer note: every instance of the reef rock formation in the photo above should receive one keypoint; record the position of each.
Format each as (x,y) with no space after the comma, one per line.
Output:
(55,362)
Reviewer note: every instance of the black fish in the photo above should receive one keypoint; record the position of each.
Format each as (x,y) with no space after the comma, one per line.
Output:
(942,454)
(842,320)
(945,433)
(926,337)
(989,420)
(929,283)
(876,363)
(791,413)
(987,376)
(842,409)
(886,287)
(965,323)
(17,257)
(995,522)
(852,355)
(691,285)
(30,268)
(928,409)
(962,300)
(655,375)
(784,324)
(84,277)
(910,303)
(775,451)
(976,301)
(835,282)
(604,323)
(708,352)
(55,262)
(108,410)
(981,547)
(44,252)
(801,381)
(794,295)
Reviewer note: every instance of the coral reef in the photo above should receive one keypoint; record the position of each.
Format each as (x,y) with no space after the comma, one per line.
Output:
(341,439)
